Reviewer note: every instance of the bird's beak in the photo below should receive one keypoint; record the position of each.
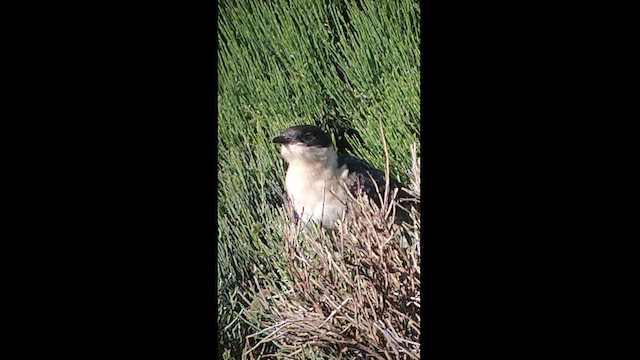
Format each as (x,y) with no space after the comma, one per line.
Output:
(280,140)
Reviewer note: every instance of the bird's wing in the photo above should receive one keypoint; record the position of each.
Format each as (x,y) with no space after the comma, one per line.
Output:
(364,176)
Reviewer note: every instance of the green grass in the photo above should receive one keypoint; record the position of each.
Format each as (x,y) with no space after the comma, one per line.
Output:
(335,64)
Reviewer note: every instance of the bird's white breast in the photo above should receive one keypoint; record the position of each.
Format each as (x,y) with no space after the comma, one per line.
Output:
(316,192)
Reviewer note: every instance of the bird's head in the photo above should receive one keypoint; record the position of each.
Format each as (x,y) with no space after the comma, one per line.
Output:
(304,143)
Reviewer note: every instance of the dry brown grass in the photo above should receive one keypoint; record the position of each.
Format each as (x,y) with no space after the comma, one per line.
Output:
(353,293)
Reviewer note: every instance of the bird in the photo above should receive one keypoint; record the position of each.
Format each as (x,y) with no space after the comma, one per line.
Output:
(317,177)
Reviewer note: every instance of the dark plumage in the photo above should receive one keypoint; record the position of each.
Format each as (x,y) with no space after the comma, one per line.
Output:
(366,177)
(307,135)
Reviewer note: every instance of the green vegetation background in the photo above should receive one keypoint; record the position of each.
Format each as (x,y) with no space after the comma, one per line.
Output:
(335,64)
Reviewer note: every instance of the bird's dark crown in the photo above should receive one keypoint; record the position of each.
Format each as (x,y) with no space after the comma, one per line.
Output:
(308,135)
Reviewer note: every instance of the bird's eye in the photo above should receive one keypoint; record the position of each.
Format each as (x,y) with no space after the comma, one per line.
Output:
(308,137)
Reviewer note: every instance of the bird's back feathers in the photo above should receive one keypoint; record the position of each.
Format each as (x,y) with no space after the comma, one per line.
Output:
(364,176)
